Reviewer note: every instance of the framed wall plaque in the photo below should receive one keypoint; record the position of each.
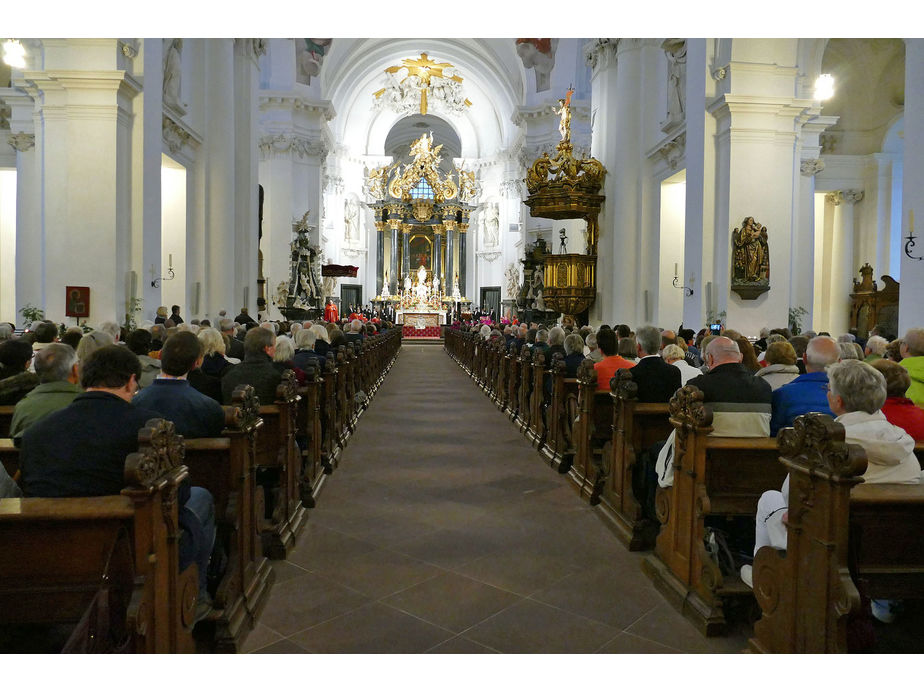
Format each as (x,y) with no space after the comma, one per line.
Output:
(77,301)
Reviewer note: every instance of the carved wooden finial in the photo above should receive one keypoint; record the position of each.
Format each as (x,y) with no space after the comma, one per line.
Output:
(586,374)
(558,363)
(313,369)
(687,405)
(538,359)
(160,451)
(245,409)
(286,390)
(818,442)
(524,352)
(622,385)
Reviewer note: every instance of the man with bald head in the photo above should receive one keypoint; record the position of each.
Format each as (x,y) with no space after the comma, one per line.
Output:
(809,391)
(740,401)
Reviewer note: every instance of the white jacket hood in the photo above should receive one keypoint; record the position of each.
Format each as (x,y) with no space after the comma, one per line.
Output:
(889,450)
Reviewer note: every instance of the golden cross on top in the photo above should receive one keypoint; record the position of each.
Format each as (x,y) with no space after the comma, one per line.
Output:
(423,68)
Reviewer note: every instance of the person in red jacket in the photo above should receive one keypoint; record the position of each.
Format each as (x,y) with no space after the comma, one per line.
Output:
(331,314)
(898,409)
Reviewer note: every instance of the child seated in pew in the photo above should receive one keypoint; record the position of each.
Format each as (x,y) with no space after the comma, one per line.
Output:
(80,451)
(856,394)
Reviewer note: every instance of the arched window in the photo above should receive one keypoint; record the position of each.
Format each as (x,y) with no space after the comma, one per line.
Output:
(422,191)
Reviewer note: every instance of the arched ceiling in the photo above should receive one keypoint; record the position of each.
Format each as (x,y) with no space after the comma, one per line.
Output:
(869,84)
(493,82)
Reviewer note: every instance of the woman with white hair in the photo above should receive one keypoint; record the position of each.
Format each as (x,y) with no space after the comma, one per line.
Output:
(90,342)
(214,361)
(674,355)
(856,393)
(591,350)
(485,332)
(322,343)
(282,359)
(304,349)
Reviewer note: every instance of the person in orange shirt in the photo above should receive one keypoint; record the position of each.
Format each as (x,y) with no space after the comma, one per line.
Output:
(612,362)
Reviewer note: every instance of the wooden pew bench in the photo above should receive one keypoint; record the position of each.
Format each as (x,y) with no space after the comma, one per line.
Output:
(845,538)
(279,471)
(226,467)
(712,476)
(636,427)
(559,418)
(6,419)
(592,435)
(59,554)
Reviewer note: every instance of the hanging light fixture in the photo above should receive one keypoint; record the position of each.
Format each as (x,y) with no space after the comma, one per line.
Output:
(14,53)
(824,87)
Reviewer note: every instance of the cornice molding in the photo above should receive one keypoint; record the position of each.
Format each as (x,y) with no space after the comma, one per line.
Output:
(270,100)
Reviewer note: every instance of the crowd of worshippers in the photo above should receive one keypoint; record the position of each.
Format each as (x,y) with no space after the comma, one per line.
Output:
(873,387)
(81,396)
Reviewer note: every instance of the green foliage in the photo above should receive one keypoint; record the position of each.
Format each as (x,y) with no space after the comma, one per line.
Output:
(30,314)
(795,319)
(132,306)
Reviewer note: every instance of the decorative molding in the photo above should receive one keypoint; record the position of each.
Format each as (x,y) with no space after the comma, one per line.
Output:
(811,167)
(674,149)
(601,53)
(720,73)
(21,141)
(259,47)
(833,198)
(829,142)
(270,100)
(333,184)
(488,255)
(176,133)
(129,49)
(512,187)
(354,252)
(290,144)
(852,196)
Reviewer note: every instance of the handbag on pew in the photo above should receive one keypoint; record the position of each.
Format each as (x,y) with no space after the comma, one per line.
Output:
(103,627)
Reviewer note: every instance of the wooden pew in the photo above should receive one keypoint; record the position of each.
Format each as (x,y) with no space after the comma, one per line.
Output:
(278,471)
(331,443)
(60,553)
(525,388)
(560,416)
(712,476)
(536,432)
(513,383)
(503,370)
(315,467)
(636,427)
(592,434)
(226,467)
(845,538)
(6,419)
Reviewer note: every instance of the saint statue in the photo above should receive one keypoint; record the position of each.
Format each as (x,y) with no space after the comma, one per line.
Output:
(407,283)
(436,285)
(751,253)
(173,73)
(564,110)
(350,220)
(491,225)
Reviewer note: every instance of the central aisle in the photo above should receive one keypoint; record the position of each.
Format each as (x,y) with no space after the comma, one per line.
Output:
(442,530)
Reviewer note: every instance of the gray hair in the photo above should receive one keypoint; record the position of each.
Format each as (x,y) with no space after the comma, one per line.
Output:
(356,325)
(591,341)
(284,349)
(775,337)
(877,345)
(92,341)
(226,325)
(5,331)
(847,350)
(821,352)
(542,336)
(271,326)
(294,328)
(211,340)
(485,331)
(306,338)
(649,338)
(158,331)
(321,333)
(672,352)
(112,329)
(859,385)
(54,362)
(574,344)
(556,335)
(914,341)
(846,339)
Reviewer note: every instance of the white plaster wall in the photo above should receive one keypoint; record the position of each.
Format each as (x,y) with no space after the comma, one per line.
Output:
(8,246)
(173,236)
(669,313)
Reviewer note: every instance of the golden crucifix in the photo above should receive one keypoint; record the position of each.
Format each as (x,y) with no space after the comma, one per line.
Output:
(423,68)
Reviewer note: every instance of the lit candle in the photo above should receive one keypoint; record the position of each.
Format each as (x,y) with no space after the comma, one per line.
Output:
(675,269)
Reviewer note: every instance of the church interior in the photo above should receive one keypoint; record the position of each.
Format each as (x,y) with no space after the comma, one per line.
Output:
(433,489)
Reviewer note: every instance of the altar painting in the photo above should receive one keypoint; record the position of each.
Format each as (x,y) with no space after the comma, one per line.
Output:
(420,248)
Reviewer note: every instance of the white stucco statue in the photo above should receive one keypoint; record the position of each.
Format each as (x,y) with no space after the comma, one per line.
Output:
(675,50)
(436,285)
(407,283)
(513,280)
(173,73)
(350,220)
(491,225)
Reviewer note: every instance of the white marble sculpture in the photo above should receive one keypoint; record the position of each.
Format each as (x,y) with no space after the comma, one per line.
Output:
(491,225)
(676,52)
(173,74)
(513,280)
(350,220)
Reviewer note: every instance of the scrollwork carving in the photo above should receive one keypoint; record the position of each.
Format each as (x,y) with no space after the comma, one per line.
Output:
(818,441)
(287,390)
(246,408)
(687,406)
(21,141)
(160,451)
(623,386)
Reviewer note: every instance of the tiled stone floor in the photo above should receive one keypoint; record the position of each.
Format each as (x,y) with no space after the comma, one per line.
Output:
(443,531)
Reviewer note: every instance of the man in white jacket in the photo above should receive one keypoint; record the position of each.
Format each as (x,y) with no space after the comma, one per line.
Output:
(856,394)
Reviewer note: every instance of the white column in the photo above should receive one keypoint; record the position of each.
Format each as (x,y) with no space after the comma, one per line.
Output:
(247,53)
(911,307)
(802,266)
(148,146)
(694,307)
(86,117)
(29,287)
(844,266)
(883,214)
(219,158)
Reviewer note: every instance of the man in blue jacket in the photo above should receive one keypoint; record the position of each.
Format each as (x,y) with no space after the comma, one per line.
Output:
(809,391)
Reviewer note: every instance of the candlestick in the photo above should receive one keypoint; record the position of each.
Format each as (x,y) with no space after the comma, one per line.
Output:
(675,269)
(170,261)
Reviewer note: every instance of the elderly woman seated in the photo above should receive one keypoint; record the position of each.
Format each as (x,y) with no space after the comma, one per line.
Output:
(674,355)
(781,365)
(856,395)
(898,409)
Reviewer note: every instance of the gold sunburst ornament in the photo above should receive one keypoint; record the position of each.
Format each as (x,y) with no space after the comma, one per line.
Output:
(425,75)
